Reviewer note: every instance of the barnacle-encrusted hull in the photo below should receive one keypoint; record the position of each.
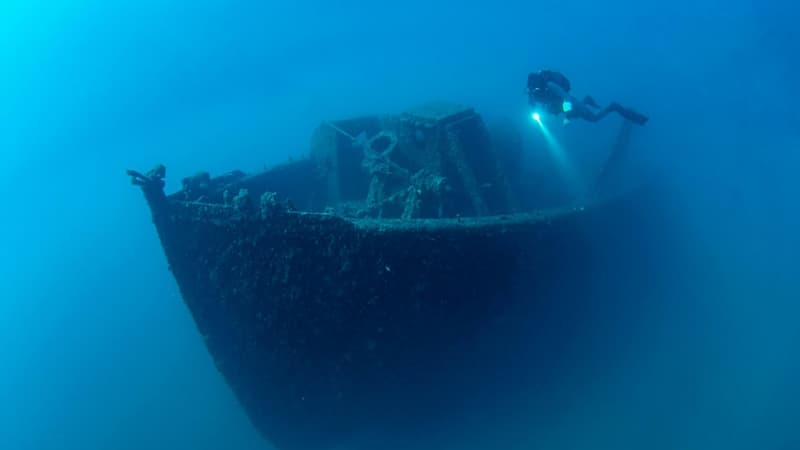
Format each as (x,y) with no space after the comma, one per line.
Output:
(324,323)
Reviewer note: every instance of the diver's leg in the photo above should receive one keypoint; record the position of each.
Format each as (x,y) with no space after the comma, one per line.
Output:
(589,101)
(629,114)
(581,111)
(591,116)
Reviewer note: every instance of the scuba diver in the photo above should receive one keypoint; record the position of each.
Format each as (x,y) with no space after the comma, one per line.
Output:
(550,90)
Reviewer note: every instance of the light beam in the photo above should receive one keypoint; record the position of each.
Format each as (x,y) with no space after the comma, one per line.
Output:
(559,156)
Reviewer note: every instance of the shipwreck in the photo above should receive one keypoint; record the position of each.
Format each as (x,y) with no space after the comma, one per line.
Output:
(349,289)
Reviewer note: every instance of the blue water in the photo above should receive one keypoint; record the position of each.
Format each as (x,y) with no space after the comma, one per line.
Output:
(97,349)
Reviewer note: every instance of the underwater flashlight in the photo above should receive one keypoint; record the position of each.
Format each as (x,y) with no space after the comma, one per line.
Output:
(536,117)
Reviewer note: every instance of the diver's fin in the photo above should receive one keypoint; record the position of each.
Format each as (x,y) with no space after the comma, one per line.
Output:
(635,117)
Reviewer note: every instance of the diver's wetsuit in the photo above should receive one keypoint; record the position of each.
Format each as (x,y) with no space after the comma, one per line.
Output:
(551,90)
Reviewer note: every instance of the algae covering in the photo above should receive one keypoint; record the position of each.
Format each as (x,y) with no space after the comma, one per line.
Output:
(342,292)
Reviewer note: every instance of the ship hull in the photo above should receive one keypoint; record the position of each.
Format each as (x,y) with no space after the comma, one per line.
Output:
(325,326)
